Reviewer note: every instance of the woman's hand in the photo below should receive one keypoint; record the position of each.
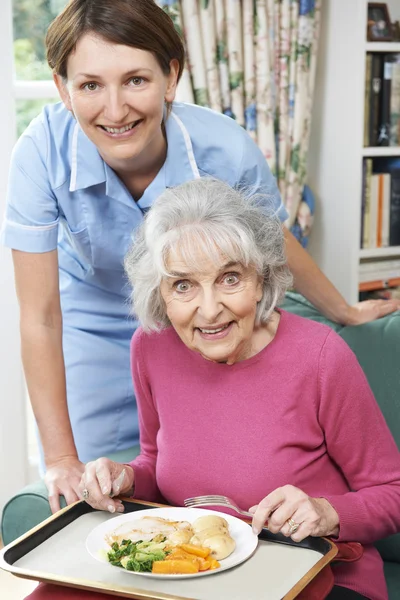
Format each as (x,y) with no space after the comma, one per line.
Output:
(62,479)
(369,310)
(316,287)
(102,480)
(290,511)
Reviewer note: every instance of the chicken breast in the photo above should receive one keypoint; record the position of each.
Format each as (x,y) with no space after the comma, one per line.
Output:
(147,528)
(180,536)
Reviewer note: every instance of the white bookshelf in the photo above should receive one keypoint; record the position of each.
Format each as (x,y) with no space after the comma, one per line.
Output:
(381,151)
(336,144)
(382,46)
(391,251)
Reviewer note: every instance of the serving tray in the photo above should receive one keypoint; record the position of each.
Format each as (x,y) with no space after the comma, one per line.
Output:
(55,552)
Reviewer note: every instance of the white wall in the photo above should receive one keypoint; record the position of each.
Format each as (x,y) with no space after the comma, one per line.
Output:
(13,464)
(334,160)
(394,9)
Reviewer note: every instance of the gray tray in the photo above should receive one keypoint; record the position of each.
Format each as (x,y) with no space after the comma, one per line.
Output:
(55,552)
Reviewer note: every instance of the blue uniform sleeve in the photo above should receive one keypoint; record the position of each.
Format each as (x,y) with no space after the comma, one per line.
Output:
(32,216)
(256,178)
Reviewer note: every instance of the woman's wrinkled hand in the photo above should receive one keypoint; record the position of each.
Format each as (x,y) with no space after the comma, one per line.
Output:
(102,480)
(290,511)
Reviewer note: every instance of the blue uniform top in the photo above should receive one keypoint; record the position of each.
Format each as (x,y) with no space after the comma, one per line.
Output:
(63,195)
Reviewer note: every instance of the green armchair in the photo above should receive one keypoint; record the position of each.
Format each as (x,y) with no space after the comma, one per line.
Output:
(377,347)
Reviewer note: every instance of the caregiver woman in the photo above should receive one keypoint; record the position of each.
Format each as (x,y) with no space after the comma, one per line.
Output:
(82,177)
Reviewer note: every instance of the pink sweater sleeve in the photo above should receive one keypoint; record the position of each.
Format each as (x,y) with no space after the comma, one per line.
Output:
(144,465)
(360,443)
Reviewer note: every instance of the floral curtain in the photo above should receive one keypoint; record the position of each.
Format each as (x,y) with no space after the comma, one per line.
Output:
(255,60)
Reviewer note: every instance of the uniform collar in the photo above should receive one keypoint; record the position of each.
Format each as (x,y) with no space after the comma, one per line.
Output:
(88,168)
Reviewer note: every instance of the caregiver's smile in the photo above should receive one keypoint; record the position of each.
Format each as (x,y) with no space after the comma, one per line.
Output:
(117,94)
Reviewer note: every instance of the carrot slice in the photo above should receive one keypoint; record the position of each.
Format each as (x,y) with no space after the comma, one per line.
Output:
(214,564)
(170,567)
(204,565)
(196,550)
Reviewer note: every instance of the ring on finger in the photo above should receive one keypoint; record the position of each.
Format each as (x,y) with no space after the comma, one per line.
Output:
(293,526)
(85,494)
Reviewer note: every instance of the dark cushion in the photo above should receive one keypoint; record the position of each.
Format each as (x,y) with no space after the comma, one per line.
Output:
(392,576)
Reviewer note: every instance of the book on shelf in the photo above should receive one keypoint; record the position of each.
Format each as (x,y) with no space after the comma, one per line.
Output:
(375,89)
(367,104)
(382,100)
(383,216)
(395,103)
(384,111)
(379,274)
(380,203)
(394,233)
(366,203)
(377,269)
(378,284)
(373,219)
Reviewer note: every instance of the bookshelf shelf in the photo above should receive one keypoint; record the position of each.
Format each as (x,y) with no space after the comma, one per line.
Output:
(336,153)
(379,252)
(381,151)
(382,47)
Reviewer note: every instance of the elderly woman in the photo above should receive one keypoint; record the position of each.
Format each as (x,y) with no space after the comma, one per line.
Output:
(240,398)
(82,177)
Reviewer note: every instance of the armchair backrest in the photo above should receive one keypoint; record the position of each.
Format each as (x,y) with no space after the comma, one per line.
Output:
(377,347)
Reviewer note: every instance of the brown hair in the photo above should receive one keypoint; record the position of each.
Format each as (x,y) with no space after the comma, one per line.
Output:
(137,23)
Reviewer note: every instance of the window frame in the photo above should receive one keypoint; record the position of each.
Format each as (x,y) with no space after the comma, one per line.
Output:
(34,90)
(14,461)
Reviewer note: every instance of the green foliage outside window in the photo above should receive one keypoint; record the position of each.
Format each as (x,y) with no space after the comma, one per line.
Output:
(31,19)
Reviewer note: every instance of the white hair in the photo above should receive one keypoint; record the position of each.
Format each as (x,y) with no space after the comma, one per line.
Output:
(205,217)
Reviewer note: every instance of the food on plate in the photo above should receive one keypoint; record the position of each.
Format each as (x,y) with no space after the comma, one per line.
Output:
(213,532)
(220,544)
(175,567)
(186,559)
(147,528)
(160,546)
(208,522)
(180,536)
(157,556)
(137,556)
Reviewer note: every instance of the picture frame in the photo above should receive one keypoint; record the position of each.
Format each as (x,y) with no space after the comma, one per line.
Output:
(396,31)
(379,26)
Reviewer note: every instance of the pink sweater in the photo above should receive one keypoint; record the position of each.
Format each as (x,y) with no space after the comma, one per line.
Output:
(300,412)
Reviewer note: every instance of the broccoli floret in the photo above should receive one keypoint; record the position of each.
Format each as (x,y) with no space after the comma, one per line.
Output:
(137,556)
(139,566)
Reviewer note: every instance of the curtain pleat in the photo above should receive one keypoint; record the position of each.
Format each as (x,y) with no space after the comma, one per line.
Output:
(249,68)
(255,61)
(207,20)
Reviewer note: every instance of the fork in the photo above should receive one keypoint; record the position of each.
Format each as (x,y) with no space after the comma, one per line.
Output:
(216,501)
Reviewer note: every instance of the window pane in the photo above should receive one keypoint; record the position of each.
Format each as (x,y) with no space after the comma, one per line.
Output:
(28,110)
(31,20)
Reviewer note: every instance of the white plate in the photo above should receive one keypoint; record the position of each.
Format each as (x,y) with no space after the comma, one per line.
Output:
(246,540)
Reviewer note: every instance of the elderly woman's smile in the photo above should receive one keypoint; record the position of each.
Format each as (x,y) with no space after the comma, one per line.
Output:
(214,310)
